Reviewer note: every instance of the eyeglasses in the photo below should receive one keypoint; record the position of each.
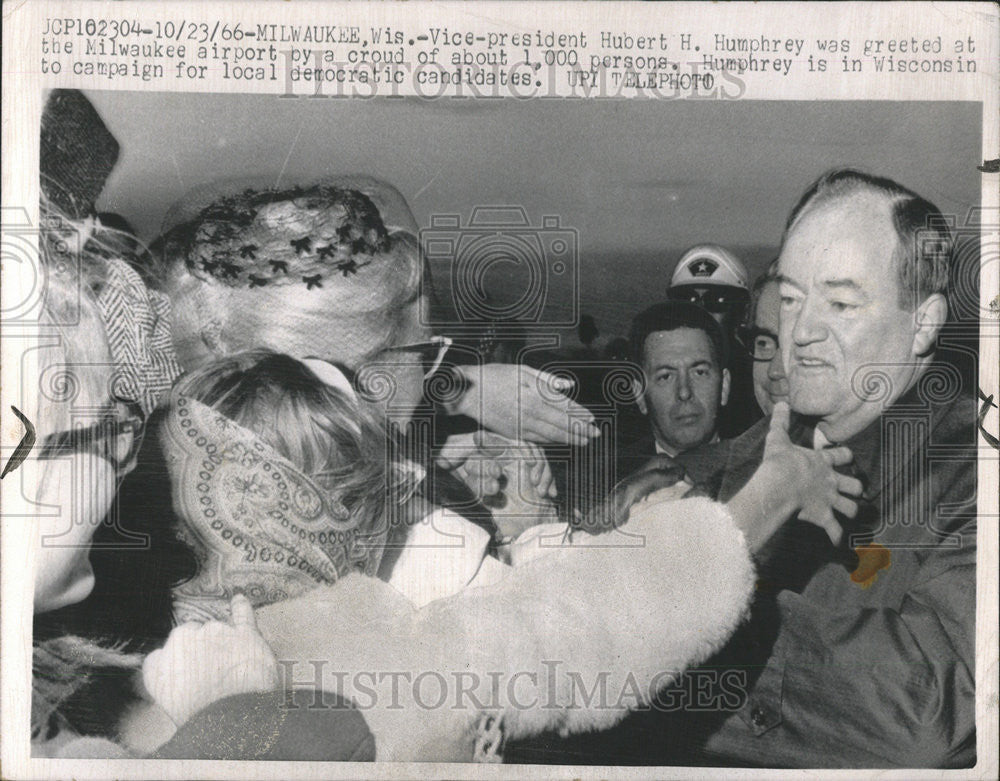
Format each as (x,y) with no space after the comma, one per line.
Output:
(760,343)
(713,298)
(432,353)
(116,437)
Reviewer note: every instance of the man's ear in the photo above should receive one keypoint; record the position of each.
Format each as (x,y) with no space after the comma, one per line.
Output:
(927,322)
(724,398)
(638,395)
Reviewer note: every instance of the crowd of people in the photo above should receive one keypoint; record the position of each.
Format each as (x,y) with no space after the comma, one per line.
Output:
(297,523)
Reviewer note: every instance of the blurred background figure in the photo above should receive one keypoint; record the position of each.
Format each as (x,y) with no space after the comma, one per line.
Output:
(715,279)
(617,349)
(770,384)
(587,331)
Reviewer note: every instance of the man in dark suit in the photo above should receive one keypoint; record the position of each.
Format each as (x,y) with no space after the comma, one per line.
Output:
(683,354)
(862,654)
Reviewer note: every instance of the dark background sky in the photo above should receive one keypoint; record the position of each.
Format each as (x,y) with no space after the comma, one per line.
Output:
(639,180)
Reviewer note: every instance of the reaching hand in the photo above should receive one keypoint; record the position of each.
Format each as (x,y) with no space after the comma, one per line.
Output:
(525,497)
(656,474)
(808,476)
(523,403)
(512,478)
(479,468)
(202,663)
(480,459)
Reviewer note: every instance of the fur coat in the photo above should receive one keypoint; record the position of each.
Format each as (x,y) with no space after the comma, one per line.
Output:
(570,641)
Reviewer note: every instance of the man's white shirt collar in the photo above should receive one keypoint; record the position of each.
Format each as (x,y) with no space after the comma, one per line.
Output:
(662,451)
(819,440)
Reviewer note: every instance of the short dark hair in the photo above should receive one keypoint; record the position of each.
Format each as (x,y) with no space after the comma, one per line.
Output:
(671,315)
(924,249)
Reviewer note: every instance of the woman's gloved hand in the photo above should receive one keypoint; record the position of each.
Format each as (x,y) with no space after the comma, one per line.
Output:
(202,663)
(485,462)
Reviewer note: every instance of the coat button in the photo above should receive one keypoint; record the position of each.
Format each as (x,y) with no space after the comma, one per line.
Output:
(758,716)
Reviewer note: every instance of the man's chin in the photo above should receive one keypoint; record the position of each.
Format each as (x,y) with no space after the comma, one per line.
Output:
(808,404)
(682,444)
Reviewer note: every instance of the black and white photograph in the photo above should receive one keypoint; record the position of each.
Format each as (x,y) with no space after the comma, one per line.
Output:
(593,437)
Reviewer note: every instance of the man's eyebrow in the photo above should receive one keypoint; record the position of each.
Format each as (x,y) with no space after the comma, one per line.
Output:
(786,280)
(849,284)
(671,367)
(836,283)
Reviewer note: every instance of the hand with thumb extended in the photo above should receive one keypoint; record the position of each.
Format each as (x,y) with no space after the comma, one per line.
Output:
(816,489)
(202,663)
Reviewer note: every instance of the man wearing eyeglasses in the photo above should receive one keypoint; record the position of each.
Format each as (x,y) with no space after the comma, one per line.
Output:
(862,654)
(770,383)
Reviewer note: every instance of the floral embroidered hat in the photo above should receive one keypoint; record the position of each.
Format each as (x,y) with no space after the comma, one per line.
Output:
(330,269)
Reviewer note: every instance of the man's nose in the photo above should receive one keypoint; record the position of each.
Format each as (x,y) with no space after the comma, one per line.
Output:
(776,368)
(683,387)
(809,326)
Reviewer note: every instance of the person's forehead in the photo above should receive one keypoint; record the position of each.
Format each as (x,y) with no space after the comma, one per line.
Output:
(848,239)
(687,343)
(768,306)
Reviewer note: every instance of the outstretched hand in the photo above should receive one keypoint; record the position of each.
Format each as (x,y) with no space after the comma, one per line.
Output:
(808,476)
(513,478)
(655,475)
(202,663)
(481,459)
(519,402)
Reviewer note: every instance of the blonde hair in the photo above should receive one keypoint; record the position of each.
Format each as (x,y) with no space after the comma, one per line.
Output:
(338,442)
(77,370)
(238,280)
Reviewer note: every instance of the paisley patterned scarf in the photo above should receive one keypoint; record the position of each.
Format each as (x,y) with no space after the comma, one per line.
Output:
(260,526)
